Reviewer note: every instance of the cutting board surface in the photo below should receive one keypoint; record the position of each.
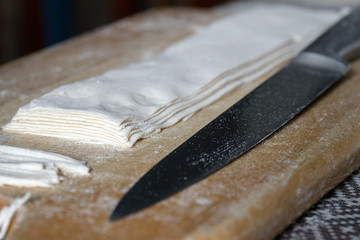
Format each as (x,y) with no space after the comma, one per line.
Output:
(254,197)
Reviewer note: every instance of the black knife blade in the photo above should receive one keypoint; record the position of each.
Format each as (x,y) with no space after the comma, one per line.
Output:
(250,120)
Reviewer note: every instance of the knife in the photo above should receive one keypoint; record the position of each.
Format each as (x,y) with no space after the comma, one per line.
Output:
(252,119)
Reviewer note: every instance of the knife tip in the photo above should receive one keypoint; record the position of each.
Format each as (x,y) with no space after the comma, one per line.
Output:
(118,214)
(122,210)
(114,217)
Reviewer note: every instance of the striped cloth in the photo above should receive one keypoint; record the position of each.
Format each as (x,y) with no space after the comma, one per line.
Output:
(336,216)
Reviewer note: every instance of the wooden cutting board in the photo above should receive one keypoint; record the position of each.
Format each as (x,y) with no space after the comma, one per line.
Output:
(255,197)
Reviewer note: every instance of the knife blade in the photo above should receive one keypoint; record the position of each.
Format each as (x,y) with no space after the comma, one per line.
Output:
(251,120)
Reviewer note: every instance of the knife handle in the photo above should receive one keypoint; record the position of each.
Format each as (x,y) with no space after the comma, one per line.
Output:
(342,41)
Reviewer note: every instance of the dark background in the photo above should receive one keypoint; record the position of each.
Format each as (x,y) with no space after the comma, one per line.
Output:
(29,25)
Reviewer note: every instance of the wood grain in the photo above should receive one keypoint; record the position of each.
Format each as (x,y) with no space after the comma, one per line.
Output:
(255,197)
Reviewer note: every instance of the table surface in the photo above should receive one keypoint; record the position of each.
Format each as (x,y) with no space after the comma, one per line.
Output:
(254,197)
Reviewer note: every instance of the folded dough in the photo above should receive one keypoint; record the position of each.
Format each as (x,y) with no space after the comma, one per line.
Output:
(33,168)
(123,105)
